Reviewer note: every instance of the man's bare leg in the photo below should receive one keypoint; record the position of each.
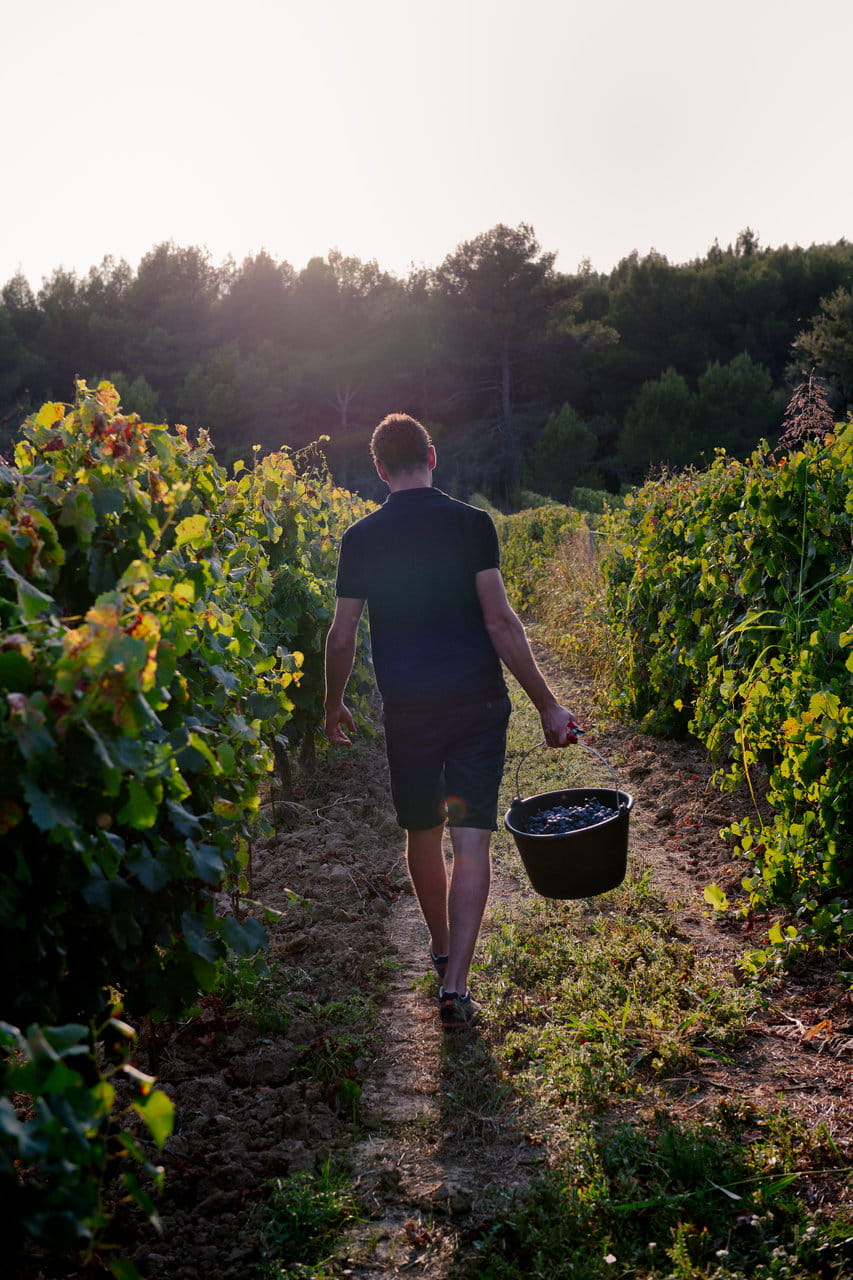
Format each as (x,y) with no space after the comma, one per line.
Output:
(469,892)
(427,868)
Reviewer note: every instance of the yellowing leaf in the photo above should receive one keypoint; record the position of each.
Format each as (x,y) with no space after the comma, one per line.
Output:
(146,628)
(157,486)
(226,809)
(108,396)
(49,414)
(105,1093)
(823,703)
(192,529)
(715,897)
(103,615)
(24,454)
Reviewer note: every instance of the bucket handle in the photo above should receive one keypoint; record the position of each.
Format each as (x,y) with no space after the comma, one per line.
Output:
(619,804)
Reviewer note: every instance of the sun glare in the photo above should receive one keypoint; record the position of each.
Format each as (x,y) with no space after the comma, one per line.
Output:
(394,134)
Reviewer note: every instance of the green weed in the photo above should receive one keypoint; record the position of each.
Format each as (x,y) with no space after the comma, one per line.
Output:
(303,1222)
(478,1092)
(250,988)
(344,1036)
(600,998)
(672,1200)
(341,1030)
(591,1005)
(381,970)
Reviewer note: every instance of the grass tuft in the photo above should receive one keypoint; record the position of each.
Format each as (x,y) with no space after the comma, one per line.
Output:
(304,1221)
(593,1004)
(674,1201)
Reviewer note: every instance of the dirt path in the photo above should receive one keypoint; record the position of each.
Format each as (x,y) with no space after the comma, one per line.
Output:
(429,1169)
(265,1087)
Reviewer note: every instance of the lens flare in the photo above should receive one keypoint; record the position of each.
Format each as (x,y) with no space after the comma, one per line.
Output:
(456,809)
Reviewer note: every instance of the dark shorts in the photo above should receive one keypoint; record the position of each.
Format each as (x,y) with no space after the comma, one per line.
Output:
(447,764)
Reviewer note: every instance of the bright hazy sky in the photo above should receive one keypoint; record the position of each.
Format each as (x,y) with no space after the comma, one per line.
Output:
(394,131)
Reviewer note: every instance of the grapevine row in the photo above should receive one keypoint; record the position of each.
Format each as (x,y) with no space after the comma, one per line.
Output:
(161,631)
(732,591)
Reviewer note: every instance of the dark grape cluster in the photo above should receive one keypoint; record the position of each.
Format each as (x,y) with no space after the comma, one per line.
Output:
(563,819)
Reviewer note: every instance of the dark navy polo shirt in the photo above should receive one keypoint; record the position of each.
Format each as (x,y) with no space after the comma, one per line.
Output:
(414,560)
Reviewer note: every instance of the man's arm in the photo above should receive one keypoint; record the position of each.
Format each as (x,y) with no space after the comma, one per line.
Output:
(512,647)
(340,655)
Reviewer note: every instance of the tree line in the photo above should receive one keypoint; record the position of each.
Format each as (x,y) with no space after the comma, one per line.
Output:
(528,377)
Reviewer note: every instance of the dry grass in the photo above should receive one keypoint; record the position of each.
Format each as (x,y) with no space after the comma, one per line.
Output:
(571,612)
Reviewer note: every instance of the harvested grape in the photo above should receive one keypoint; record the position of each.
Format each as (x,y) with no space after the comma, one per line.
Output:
(561,820)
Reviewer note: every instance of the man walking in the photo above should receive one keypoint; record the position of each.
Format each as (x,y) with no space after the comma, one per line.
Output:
(428,567)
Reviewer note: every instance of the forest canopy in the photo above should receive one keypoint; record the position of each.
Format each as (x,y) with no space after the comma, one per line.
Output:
(526,376)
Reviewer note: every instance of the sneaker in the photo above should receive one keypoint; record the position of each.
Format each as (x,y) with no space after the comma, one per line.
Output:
(458,1013)
(439,963)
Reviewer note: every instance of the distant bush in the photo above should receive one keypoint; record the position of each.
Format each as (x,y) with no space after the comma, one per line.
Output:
(595,501)
(527,498)
(480,500)
(529,542)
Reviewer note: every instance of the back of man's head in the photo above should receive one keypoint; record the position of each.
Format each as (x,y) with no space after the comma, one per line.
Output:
(400,444)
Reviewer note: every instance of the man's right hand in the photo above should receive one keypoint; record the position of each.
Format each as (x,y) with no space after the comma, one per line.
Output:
(335,717)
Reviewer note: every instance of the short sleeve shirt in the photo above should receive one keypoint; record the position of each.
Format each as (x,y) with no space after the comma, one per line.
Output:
(415,561)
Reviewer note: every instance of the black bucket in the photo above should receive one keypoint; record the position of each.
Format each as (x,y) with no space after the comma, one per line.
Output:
(576,864)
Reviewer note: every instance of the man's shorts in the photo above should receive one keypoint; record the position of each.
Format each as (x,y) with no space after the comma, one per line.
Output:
(446,764)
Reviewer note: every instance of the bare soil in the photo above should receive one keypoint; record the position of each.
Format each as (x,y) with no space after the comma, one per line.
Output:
(254,1104)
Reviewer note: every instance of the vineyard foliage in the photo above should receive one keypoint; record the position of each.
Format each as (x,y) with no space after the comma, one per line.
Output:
(161,625)
(732,594)
(530,540)
(152,610)
(85,1115)
(550,565)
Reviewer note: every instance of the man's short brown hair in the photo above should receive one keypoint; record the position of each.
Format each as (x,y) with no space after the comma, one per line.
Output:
(400,444)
